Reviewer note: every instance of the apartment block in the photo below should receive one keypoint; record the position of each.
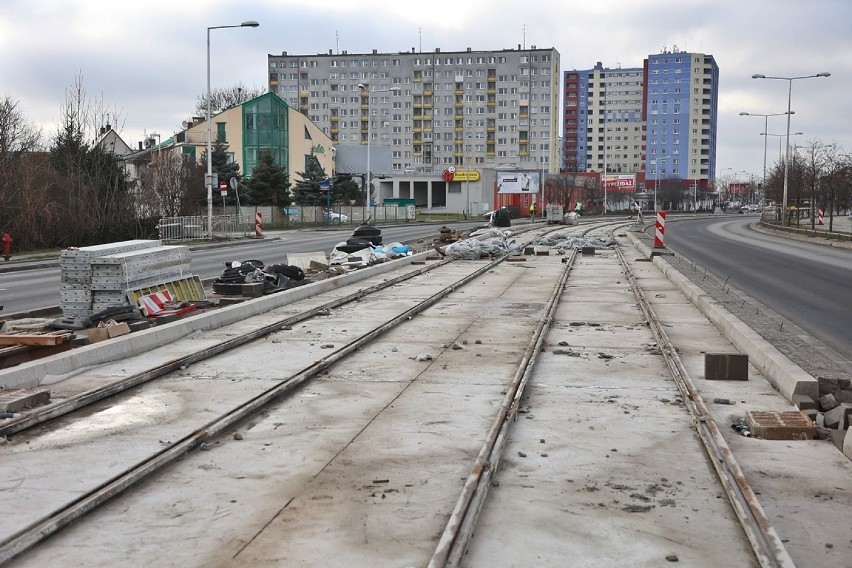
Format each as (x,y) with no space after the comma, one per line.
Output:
(657,121)
(467,109)
(682,105)
(604,120)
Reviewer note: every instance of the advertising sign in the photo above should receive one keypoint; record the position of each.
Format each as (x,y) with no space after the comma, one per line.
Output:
(463,175)
(518,182)
(620,182)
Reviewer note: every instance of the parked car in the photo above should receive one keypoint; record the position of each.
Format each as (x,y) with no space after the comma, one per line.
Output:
(335,218)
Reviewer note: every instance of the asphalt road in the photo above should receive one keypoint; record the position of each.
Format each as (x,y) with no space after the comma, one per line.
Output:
(807,283)
(35,289)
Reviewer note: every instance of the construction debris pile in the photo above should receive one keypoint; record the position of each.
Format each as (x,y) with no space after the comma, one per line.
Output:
(365,248)
(482,243)
(562,243)
(266,279)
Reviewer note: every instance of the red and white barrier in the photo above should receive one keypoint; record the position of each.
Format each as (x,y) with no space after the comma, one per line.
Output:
(258,225)
(154,304)
(821,218)
(660,230)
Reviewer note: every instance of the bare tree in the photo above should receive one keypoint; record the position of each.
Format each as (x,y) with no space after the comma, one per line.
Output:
(223,99)
(94,189)
(17,140)
(165,185)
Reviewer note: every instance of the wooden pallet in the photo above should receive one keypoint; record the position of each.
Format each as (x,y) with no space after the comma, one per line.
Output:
(36,338)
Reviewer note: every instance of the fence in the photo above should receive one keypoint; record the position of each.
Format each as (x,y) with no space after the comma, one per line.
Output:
(243,224)
(196,227)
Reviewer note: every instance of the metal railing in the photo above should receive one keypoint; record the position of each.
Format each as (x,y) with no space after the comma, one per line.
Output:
(195,227)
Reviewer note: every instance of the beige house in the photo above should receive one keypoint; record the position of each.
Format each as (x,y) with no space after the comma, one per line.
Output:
(265,124)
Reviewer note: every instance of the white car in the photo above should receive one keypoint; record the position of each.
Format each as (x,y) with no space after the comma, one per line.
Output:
(335,218)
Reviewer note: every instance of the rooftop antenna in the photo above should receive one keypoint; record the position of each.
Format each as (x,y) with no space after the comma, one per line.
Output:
(524,32)
(420,34)
(337,41)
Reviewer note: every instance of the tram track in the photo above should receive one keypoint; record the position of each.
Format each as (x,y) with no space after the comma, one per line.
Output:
(44,528)
(452,545)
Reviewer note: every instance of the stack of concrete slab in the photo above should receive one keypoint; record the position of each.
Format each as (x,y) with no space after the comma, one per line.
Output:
(98,277)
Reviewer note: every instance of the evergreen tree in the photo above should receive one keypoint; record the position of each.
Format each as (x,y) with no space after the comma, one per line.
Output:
(346,190)
(94,190)
(269,183)
(307,190)
(226,169)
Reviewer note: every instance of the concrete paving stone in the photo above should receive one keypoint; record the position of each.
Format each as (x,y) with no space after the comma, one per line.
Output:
(726,366)
(16,400)
(838,417)
(780,425)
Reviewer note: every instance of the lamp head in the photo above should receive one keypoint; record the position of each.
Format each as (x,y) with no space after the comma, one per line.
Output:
(824,74)
(362,86)
(249,24)
(758,76)
(744,114)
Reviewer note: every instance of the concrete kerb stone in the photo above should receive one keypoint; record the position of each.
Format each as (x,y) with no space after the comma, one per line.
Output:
(34,373)
(781,373)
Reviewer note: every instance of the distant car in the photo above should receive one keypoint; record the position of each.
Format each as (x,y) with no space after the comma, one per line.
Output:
(335,218)
(753,208)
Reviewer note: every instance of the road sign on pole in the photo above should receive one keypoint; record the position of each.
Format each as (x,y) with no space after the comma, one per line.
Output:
(223,187)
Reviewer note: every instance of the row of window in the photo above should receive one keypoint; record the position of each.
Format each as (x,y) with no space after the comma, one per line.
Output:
(419,61)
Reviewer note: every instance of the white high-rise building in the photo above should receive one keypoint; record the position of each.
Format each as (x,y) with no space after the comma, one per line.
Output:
(482,109)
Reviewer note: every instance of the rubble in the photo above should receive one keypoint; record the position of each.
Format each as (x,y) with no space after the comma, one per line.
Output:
(562,242)
(482,243)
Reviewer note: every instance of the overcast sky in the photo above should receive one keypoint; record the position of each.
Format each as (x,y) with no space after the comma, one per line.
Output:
(146,61)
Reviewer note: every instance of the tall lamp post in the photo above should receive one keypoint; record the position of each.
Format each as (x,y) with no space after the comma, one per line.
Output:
(364,88)
(789,80)
(209,180)
(781,141)
(765,140)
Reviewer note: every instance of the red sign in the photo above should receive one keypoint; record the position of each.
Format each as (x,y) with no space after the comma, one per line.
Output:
(447,175)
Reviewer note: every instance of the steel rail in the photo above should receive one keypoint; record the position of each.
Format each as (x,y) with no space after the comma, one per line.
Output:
(80,400)
(766,544)
(40,530)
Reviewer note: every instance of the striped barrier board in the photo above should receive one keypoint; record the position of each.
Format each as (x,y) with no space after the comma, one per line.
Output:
(660,230)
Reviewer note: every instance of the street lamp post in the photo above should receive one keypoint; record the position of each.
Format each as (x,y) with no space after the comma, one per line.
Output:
(765,140)
(657,181)
(789,80)
(209,180)
(366,89)
(780,141)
